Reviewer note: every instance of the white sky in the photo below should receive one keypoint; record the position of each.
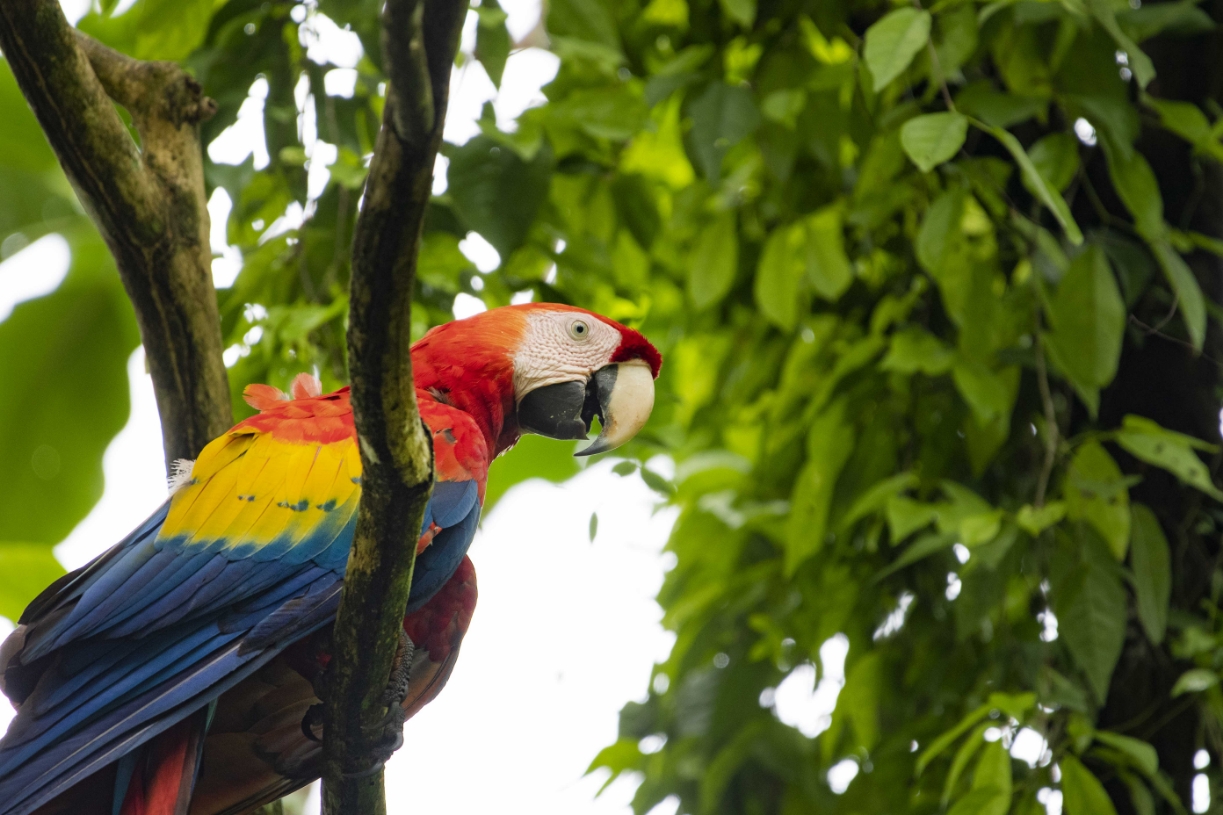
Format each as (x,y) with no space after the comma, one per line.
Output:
(565,632)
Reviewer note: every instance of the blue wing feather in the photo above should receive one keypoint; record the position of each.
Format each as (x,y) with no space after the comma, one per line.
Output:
(156,629)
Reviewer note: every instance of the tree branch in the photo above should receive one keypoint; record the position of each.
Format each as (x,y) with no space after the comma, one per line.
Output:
(147,200)
(420,41)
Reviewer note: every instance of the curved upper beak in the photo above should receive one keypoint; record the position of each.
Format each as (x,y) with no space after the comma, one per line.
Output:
(625,394)
(621,395)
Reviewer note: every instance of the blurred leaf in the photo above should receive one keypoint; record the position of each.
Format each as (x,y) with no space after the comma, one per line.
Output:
(1195,680)
(934,138)
(828,268)
(153,29)
(829,444)
(1097,493)
(492,39)
(1151,561)
(1082,793)
(1144,70)
(1056,159)
(25,570)
(1034,521)
(1048,196)
(1088,320)
(1090,607)
(1172,451)
(893,41)
(742,12)
(714,261)
(483,175)
(780,276)
(63,359)
(1142,754)
(722,116)
(913,350)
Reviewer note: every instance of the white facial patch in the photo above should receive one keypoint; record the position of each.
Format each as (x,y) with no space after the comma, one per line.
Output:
(561,346)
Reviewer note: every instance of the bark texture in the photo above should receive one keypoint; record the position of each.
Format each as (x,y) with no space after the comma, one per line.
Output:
(147,199)
(419,43)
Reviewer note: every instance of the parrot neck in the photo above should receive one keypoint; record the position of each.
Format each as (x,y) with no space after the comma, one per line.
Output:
(473,377)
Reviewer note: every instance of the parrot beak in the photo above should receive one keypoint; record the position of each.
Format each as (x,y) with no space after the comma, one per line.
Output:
(625,394)
(621,395)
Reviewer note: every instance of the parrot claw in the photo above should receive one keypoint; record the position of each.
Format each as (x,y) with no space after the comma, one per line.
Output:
(386,735)
(312,719)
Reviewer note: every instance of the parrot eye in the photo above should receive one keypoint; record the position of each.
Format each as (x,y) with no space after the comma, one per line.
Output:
(579,330)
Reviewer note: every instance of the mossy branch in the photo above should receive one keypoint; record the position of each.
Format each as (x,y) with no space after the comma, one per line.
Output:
(420,41)
(147,199)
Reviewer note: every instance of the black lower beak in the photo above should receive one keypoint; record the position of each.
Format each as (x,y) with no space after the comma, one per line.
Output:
(567,409)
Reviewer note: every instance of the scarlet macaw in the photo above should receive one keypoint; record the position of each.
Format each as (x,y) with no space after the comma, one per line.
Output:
(175,673)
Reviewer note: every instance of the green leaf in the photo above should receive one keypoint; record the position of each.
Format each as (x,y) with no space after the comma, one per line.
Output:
(1182,18)
(829,443)
(1082,792)
(594,526)
(1137,188)
(934,138)
(1195,680)
(1090,608)
(985,391)
(742,12)
(1151,562)
(483,175)
(919,549)
(981,801)
(492,40)
(893,41)
(905,516)
(589,21)
(828,267)
(714,261)
(980,100)
(617,113)
(722,116)
(1168,450)
(1088,319)
(1140,63)
(994,774)
(959,763)
(657,483)
(1097,493)
(1185,119)
(779,276)
(25,570)
(153,29)
(1142,755)
(947,739)
(874,498)
(1188,293)
(54,351)
(1034,521)
(912,350)
(1056,158)
(1048,196)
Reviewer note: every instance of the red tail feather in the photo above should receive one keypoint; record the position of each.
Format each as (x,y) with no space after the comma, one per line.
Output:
(165,772)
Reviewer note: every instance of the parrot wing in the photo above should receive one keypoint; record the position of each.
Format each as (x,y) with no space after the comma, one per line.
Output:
(256,750)
(245,558)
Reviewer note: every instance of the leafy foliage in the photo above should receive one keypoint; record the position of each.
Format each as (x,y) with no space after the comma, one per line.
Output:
(915,273)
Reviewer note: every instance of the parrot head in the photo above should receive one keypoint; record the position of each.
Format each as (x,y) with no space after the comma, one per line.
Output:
(543,368)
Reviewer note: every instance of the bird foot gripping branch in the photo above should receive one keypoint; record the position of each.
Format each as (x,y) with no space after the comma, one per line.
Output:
(207,631)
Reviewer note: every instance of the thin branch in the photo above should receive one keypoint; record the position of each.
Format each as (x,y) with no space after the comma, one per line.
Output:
(403,44)
(147,200)
(396,453)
